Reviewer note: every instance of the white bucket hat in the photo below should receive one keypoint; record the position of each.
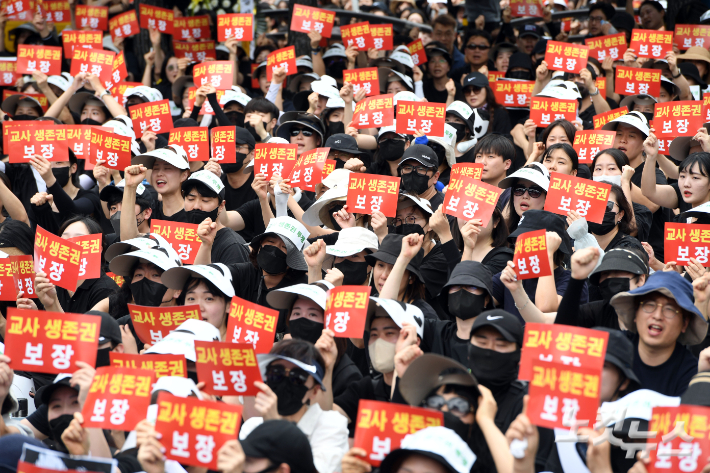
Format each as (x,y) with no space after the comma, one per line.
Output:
(351,241)
(181,341)
(283,299)
(216,273)
(540,176)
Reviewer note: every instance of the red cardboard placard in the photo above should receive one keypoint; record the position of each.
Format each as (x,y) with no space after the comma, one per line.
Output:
(522,8)
(357,35)
(687,36)
(685,240)
(369,193)
(8,72)
(152,324)
(428,117)
(206,105)
(632,81)
(416,49)
(308,169)
(93,61)
(587,143)
(495,75)
(602,47)
(374,112)
(681,440)
(651,43)
(117,279)
(161,365)
(381,426)
(285,57)
(90,266)
(235,25)
(124,25)
(328,167)
(467,198)
(41,98)
(346,310)
(194,140)
(18,9)
(46,141)
(79,140)
(118,70)
(9,126)
(367,78)
(514,94)
(195,51)
(254,80)
(587,198)
(472,170)
(227,369)
(675,119)
(80,39)
(545,110)
(566,57)
(56,11)
(23,275)
(600,83)
(58,258)
(382,37)
(270,159)
(182,236)
(114,149)
(224,148)
(50,342)
(152,116)
(706,106)
(252,323)
(8,291)
(45,59)
(530,258)
(218,74)
(119,90)
(93,17)
(604,118)
(192,27)
(306,19)
(156,18)
(118,398)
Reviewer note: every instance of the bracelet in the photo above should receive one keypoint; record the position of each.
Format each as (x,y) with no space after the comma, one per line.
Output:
(679,73)
(524,305)
(106,92)
(315,50)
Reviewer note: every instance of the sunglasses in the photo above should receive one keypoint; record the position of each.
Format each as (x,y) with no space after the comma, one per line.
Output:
(456,405)
(533,192)
(480,47)
(277,373)
(610,206)
(305,131)
(473,90)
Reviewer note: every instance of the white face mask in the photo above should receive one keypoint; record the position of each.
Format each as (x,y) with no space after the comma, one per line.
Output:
(382,355)
(608,179)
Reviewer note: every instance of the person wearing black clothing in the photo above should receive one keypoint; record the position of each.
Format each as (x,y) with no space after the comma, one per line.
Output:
(417,162)
(438,87)
(477,93)
(591,103)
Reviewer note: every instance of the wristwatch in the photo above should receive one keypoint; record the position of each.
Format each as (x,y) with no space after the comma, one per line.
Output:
(315,50)
(595,93)
(106,92)
(677,76)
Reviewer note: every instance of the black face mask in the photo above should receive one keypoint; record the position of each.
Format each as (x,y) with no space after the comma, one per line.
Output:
(236,118)
(354,272)
(198,216)
(457,425)
(335,127)
(24,118)
(612,286)
(192,375)
(440,151)
(605,227)
(116,222)
(524,75)
(492,369)
(272,260)
(333,210)
(466,305)
(460,131)
(305,329)
(290,396)
(583,91)
(235,166)
(102,357)
(392,150)
(148,293)
(61,175)
(406,229)
(90,121)
(59,425)
(252,130)
(415,183)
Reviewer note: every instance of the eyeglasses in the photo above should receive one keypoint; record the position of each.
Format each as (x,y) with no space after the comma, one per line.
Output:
(610,206)
(277,373)
(408,219)
(305,131)
(533,192)
(456,405)
(480,47)
(669,312)
(421,170)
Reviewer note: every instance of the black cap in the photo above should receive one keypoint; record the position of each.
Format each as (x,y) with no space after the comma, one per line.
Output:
(543,220)
(520,60)
(110,331)
(506,323)
(243,137)
(698,392)
(422,154)
(343,142)
(620,259)
(540,47)
(280,441)
(620,353)
(623,21)
(44,393)
(436,51)
(688,69)
(475,79)
(531,30)
(389,251)
(467,273)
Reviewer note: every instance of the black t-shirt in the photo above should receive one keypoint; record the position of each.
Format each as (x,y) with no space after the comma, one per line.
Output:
(670,378)
(237,197)
(90,293)
(497,259)
(501,122)
(437,265)
(437,200)
(180,216)
(345,373)
(254,221)
(441,96)
(367,389)
(39,420)
(660,217)
(229,247)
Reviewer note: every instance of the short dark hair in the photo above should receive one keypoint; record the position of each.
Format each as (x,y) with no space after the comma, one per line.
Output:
(446,20)
(472,32)
(567,149)
(703,161)
(496,144)
(262,105)
(617,155)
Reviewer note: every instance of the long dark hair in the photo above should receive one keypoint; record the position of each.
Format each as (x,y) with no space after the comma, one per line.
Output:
(569,128)
(617,155)
(499,234)
(513,217)
(625,205)
(193,282)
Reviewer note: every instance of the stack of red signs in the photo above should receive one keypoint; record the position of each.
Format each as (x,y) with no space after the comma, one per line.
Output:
(124,25)
(470,199)
(587,198)
(161,365)
(152,116)
(224,146)
(514,94)
(252,324)
(428,117)
(545,110)
(156,18)
(367,78)
(45,59)
(58,258)
(346,310)
(566,57)
(270,159)
(194,140)
(306,19)
(684,241)
(632,81)
(308,169)
(374,112)
(587,143)
(227,369)
(357,35)
(235,25)
(181,236)
(602,47)
(674,119)
(284,58)
(192,27)
(687,36)
(651,43)
(531,259)
(370,193)
(152,324)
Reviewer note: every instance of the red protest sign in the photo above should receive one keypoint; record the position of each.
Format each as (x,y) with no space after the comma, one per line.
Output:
(8,72)
(687,36)
(566,57)
(119,90)
(18,9)
(285,57)
(467,198)
(182,236)
(124,25)
(522,8)
(79,139)
(308,169)
(270,159)
(114,149)
(472,170)
(252,323)
(381,426)
(416,49)
(706,106)
(367,78)
(585,197)
(587,143)
(192,27)
(206,105)
(50,342)
(152,116)
(346,310)
(156,18)
(45,59)
(369,193)
(604,118)
(254,79)
(602,47)
(93,17)
(428,117)
(684,443)
(632,81)
(513,93)
(382,37)
(218,74)
(58,258)
(193,431)
(80,39)
(118,398)
(357,35)
(117,279)
(7,280)
(93,61)
(195,51)
(651,43)
(600,83)
(23,275)
(530,258)
(161,365)
(306,19)
(90,266)
(545,110)
(328,167)
(194,140)
(674,119)
(41,98)
(227,369)
(495,75)
(46,141)
(56,11)
(235,25)
(374,112)
(152,324)
(118,70)
(684,241)
(224,148)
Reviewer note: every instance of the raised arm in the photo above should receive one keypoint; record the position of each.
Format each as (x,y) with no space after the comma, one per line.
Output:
(100,91)
(134,175)
(56,108)
(411,244)
(662,195)
(546,297)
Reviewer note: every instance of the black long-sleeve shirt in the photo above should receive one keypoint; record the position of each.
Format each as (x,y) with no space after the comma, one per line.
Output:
(593,314)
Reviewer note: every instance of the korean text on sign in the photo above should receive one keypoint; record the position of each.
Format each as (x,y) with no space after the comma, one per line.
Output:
(94,17)
(8,290)
(50,342)
(687,36)
(651,43)
(194,140)
(156,18)
(684,241)
(632,81)
(284,58)
(92,61)
(23,275)
(604,118)
(531,259)
(182,236)
(218,74)
(381,426)
(90,267)
(367,79)
(153,116)
(46,141)
(358,35)
(192,27)
(566,57)
(370,193)
(522,8)
(8,72)
(251,323)
(235,25)
(544,110)
(306,19)
(346,310)
(270,159)
(152,324)
(161,365)
(193,431)
(600,83)
(587,143)
(119,91)
(706,106)
(56,11)
(681,439)
(59,259)
(227,369)
(224,146)
(113,149)
(416,49)
(308,169)
(585,197)
(124,25)
(678,118)
(72,39)
(79,140)
(118,70)
(515,94)
(472,170)
(118,398)
(428,117)
(469,199)
(382,37)
(374,112)
(602,47)
(45,59)
(206,105)
(195,51)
